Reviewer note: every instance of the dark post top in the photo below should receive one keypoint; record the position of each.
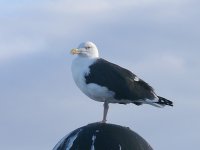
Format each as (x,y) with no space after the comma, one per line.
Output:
(101,136)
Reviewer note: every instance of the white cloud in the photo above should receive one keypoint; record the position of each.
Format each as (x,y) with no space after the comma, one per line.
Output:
(158,64)
(13,48)
(91,7)
(29,26)
(163,63)
(80,7)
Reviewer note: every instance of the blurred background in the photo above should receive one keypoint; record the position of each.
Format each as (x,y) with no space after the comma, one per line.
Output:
(159,40)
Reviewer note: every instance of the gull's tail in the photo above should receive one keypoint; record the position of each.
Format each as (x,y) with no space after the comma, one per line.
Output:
(163,101)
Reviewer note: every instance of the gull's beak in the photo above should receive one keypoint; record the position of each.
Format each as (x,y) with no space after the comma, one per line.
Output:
(74,51)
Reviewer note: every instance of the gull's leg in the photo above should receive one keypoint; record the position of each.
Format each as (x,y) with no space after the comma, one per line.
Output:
(105,111)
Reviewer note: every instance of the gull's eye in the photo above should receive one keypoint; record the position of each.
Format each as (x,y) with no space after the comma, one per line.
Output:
(87,47)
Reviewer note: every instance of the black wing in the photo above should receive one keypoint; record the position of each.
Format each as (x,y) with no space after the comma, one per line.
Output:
(119,80)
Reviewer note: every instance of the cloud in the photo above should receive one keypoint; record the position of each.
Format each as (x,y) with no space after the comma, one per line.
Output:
(80,7)
(162,63)
(12,48)
(29,26)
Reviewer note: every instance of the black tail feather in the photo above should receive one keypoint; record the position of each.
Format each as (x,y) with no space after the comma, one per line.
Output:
(164,101)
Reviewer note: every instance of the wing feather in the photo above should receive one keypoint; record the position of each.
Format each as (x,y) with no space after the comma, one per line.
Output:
(119,80)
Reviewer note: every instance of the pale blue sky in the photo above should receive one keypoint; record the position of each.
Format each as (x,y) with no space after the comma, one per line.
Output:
(157,40)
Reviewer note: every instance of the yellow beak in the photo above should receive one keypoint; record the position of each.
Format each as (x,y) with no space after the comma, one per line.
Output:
(74,51)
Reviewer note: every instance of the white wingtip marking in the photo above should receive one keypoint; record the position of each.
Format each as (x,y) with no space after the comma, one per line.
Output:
(136,78)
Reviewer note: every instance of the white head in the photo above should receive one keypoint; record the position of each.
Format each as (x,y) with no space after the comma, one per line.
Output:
(86,49)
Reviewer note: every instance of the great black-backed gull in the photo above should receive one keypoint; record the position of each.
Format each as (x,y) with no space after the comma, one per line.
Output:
(107,82)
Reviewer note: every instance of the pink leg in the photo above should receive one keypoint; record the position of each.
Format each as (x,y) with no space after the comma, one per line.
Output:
(105,111)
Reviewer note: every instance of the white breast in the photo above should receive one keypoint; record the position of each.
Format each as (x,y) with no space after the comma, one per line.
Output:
(80,68)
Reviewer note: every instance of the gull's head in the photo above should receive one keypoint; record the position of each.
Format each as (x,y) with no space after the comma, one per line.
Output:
(86,49)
